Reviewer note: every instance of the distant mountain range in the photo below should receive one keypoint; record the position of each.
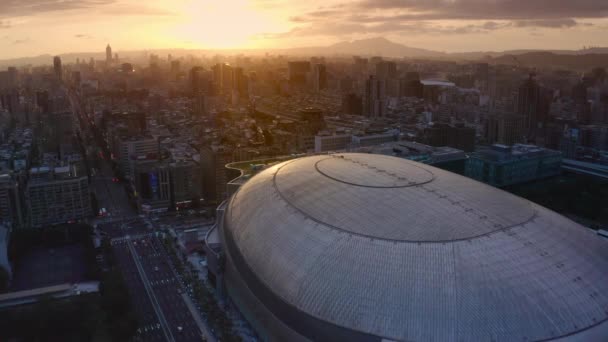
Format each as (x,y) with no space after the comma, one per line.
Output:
(367,47)
(597,56)
(384,47)
(543,58)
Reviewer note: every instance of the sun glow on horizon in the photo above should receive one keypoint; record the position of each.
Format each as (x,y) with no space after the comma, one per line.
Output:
(224,25)
(79,26)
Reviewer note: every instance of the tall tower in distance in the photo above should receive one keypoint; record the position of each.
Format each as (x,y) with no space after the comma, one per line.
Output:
(108,54)
(57,67)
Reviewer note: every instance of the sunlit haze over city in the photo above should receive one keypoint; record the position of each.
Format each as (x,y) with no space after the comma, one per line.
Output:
(33,27)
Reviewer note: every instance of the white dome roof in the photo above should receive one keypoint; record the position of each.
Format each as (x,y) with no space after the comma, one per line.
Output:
(406,251)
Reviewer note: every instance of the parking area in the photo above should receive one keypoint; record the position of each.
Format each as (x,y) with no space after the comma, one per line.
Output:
(50,266)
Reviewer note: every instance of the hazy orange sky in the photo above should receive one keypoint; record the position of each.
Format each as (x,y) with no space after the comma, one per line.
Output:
(32,27)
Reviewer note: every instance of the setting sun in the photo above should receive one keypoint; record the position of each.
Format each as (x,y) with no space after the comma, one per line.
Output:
(226,24)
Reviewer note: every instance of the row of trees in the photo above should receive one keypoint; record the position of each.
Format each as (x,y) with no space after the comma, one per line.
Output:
(75,319)
(120,319)
(4,280)
(217,317)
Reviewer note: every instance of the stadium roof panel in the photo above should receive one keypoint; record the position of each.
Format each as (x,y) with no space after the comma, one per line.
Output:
(343,239)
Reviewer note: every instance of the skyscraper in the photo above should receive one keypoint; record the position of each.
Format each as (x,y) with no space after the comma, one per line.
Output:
(175,67)
(196,79)
(217,77)
(13,77)
(10,200)
(213,160)
(532,104)
(360,65)
(222,77)
(481,72)
(375,98)
(227,78)
(386,70)
(240,83)
(319,81)
(410,85)
(108,54)
(57,67)
(297,72)
(352,104)
(504,128)
(42,101)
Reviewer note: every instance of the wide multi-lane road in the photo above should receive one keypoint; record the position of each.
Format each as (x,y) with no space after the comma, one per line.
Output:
(111,195)
(155,290)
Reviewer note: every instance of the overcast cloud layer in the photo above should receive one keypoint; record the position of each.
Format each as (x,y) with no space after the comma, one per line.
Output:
(472,16)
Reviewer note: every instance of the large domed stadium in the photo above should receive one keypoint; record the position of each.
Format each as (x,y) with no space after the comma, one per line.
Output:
(361,247)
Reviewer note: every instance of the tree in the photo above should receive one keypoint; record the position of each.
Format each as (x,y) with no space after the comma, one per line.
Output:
(4,279)
(94,203)
(115,302)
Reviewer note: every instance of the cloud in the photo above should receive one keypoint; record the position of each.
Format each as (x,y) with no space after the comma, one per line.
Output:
(429,16)
(346,29)
(21,41)
(5,24)
(137,10)
(492,9)
(17,8)
(548,23)
(32,7)
(82,36)
(414,10)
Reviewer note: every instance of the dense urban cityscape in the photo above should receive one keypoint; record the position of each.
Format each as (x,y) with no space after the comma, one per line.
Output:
(365,194)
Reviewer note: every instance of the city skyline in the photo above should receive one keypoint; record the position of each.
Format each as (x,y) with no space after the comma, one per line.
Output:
(266,170)
(455,26)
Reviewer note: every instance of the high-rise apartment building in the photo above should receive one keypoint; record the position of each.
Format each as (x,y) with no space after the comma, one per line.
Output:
(410,85)
(10,201)
(298,72)
(386,70)
(352,104)
(13,77)
(240,83)
(319,77)
(57,68)
(227,78)
(504,128)
(213,160)
(374,101)
(109,54)
(57,195)
(533,103)
(129,149)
